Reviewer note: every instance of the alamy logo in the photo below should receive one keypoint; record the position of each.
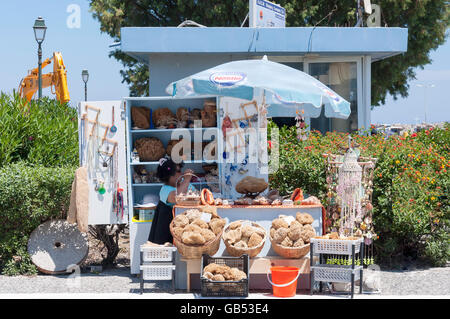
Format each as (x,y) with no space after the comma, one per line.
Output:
(74,19)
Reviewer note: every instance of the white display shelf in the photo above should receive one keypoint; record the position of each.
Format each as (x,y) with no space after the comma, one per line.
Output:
(161,184)
(185,162)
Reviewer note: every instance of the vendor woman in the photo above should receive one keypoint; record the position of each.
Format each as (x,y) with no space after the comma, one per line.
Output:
(169,173)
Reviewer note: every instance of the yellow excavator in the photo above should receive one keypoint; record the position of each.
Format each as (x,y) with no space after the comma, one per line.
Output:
(57,80)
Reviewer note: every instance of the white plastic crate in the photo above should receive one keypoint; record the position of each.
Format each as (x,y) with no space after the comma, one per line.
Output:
(157,272)
(335,273)
(335,246)
(157,254)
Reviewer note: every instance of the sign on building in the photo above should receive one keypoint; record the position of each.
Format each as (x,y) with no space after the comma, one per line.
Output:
(265,14)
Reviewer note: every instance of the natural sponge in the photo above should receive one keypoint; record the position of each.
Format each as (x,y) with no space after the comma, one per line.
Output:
(254,240)
(304,218)
(251,185)
(280,235)
(279,223)
(180,221)
(217,224)
(149,149)
(192,238)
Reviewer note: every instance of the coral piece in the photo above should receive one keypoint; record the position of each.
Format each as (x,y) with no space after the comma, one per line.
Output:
(311,200)
(149,149)
(250,185)
(304,218)
(261,200)
(276,202)
(180,221)
(254,240)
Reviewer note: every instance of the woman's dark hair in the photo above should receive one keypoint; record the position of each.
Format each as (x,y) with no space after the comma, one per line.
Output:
(167,169)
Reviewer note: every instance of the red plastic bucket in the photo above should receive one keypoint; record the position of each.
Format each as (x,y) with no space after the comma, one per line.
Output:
(284,280)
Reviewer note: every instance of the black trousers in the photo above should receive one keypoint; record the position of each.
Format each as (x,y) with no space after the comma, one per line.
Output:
(160,232)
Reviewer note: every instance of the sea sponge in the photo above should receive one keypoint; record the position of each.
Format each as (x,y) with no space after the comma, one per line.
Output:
(254,240)
(193,214)
(235,225)
(192,228)
(182,114)
(208,275)
(279,223)
(280,235)
(241,244)
(295,232)
(212,267)
(218,278)
(247,230)
(260,231)
(298,243)
(228,275)
(178,231)
(309,227)
(250,184)
(217,224)
(191,238)
(201,223)
(304,218)
(140,117)
(272,232)
(149,149)
(233,236)
(237,274)
(163,117)
(207,234)
(307,233)
(295,223)
(180,221)
(287,242)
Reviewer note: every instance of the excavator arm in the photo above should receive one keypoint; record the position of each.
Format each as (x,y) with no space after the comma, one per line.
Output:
(56,79)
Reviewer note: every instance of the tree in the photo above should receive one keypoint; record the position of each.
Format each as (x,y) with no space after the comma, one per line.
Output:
(426,20)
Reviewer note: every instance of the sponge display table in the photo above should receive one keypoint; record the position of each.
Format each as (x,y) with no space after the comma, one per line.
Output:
(188,270)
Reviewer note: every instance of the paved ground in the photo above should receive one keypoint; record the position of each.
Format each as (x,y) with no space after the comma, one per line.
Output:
(118,283)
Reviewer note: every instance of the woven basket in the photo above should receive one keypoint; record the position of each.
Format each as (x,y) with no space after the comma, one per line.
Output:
(289,252)
(251,252)
(196,251)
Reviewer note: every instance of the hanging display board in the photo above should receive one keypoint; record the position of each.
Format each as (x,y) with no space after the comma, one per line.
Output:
(243,136)
(102,151)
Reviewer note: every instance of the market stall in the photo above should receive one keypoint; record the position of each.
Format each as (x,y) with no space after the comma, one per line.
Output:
(216,124)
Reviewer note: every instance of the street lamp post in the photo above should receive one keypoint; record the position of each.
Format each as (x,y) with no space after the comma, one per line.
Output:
(425,86)
(39,34)
(85,77)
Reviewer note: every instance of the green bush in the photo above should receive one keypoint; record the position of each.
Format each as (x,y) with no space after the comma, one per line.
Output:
(29,196)
(41,132)
(411,186)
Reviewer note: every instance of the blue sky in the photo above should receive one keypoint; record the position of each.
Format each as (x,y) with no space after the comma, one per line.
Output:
(87,48)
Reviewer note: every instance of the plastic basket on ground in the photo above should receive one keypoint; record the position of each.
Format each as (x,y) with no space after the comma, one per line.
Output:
(157,272)
(157,254)
(289,252)
(335,246)
(195,251)
(237,251)
(211,288)
(335,273)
